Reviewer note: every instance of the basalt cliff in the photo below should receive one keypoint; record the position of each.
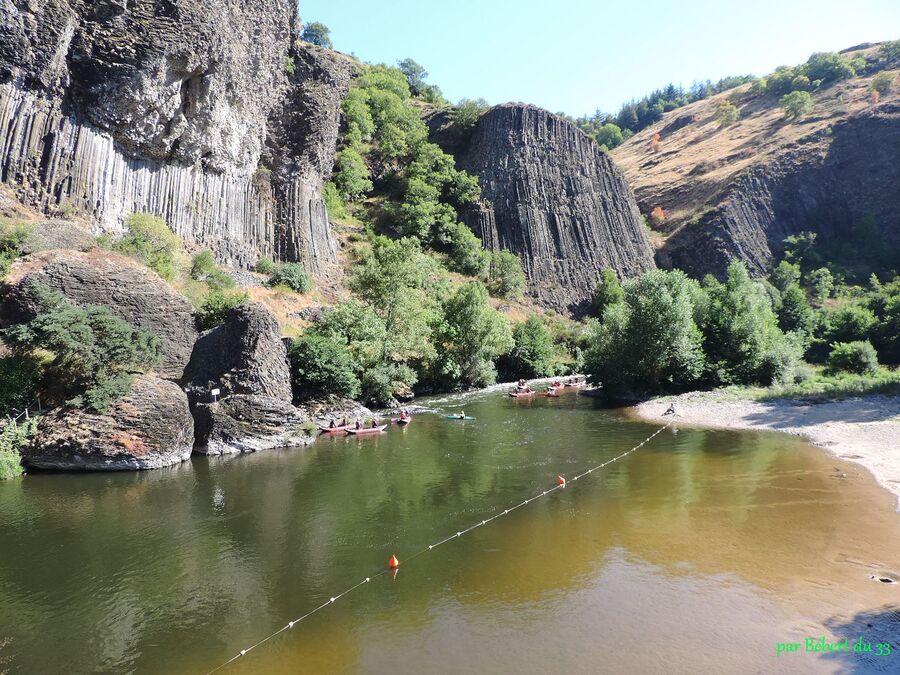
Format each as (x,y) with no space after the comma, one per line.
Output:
(205,112)
(550,195)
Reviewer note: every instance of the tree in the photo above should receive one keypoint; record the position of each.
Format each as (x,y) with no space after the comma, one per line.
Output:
(608,292)
(317,33)
(321,366)
(12,239)
(849,323)
(352,177)
(467,113)
(204,269)
(505,276)
(415,75)
(794,313)
(649,341)
(217,304)
(609,135)
(469,337)
(828,67)
(20,375)
(727,114)
(150,240)
(784,275)
(466,254)
(821,283)
(93,352)
(797,104)
(532,354)
(359,329)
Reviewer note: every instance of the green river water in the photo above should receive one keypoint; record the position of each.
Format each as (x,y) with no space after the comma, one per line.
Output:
(698,553)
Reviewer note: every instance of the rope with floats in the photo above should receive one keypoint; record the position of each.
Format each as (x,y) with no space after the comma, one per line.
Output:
(394,563)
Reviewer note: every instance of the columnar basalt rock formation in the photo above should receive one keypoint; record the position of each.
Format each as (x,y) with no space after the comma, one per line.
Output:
(165,106)
(554,198)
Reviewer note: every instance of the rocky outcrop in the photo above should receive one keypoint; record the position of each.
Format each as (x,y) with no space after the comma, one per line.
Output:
(149,428)
(245,355)
(243,423)
(841,184)
(116,107)
(133,292)
(553,198)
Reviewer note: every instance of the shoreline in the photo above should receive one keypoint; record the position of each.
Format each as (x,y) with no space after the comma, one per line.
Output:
(863,430)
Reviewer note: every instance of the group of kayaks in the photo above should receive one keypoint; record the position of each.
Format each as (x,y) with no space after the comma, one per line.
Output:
(553,390)
(357,428)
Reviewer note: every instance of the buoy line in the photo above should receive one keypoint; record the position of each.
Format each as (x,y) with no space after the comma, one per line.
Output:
(394,564)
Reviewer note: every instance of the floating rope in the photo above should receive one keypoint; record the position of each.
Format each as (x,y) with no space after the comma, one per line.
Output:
(394,565)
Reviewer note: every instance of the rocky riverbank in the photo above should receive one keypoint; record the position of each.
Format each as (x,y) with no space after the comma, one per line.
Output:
(862,430)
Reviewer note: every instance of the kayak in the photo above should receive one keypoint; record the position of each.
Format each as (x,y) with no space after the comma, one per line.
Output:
(367,430)
(551,393)
(334,430)
(402,420)
(457,417)
(522,394)
(576,384)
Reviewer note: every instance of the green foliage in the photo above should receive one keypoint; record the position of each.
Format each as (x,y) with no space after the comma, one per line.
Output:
(415,77)
(741,336)
(781,81)
(649,341)
(217,304)
(384,383)
(828,67)
(466,113)
(727,114)
(289,66)
(784,275)
(291,276)
(334,203)
(356,326)
(883,82)
(20,375)
(150,240)
(505,277)
(797,104)
(13,436)
(609,135)
(204,269)
(608,292)
(829,387)
(857,357)
(470,336)
(759,86)
(317,33)
(352,176)
(890,51)
(12,239)
(821,283)
(794,312)
(321,366)
(533,354)
(360,123)
(849,323)
(266,265)
(93,351)
(465,253)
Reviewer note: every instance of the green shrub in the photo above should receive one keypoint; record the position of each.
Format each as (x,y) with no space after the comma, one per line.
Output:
(382,384)
(849,323)
(883,82)
(20,375)
(609,135)
(266,265)
(321,366)
(12,239)
(780,82)
(291,276)
(289,66)
(317,33)
(532,355)
(217,304)
(352,177)
(360,123)
(727,114)
(13,435)
(857,357)
(150,240)
(608,292)
(205,270)
(829,67)
(466,113)
(334,204)
(505,276)
(890,51)
(93,351)
(821,284)
(797,104)
(466,255)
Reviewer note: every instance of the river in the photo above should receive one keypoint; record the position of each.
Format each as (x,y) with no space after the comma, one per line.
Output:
(700,552)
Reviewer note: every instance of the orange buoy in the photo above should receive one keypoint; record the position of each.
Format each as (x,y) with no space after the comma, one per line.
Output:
(394,563)
(561,481)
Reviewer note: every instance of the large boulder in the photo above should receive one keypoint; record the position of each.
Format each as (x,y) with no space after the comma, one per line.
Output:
(245,355)
(133,292)
(243,423)
(149,428)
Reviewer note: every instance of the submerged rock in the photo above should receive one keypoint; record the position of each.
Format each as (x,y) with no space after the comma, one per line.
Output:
(133,292)
(243,423)
(149,428)
(245,355)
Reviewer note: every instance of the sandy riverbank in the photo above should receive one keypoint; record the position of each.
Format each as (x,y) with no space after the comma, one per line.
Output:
(862,430)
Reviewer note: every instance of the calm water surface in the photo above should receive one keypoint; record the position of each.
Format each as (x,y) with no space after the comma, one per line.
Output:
(698,553)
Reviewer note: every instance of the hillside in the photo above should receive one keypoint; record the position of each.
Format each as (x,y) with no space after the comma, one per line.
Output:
(739,190)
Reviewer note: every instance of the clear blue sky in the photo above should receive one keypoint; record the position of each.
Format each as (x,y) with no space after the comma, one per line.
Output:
(580,55)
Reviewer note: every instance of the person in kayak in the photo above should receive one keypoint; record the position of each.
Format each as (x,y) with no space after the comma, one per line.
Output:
(332,425)
(358,424)
(462,414)
(670,410)
(374,424)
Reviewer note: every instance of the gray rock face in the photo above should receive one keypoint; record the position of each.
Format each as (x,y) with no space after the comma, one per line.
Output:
(832,185)
(149,428)
(245,355)
(249,424)
(553,198)
(164,106)
(133,292)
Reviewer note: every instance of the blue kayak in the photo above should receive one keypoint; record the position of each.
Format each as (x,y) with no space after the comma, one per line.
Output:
(457,417)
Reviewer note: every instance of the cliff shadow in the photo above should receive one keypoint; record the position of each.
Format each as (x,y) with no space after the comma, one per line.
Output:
(873,628)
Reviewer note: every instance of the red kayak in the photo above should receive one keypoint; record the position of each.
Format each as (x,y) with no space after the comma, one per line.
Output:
(550,393)
(335,430)
(367,430)
(522,394)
